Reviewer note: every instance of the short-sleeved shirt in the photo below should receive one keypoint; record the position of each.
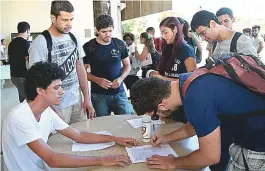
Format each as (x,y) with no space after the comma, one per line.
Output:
(179,66)
(17,51)
(257,41)
(20,128)
(209,98)
(135,63)
(244,45)
(62,54)
(3,55)
(105,62)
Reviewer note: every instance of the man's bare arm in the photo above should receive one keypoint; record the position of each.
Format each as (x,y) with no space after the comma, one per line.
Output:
(185,131)
(209,153)
(81,73)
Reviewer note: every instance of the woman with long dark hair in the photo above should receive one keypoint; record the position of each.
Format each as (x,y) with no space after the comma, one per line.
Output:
(177,57)
(149,51)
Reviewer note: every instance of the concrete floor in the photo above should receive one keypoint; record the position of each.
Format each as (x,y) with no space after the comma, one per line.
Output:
(9,99)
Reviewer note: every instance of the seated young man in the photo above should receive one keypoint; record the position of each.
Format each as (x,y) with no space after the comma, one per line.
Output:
(27,127)
(210,103)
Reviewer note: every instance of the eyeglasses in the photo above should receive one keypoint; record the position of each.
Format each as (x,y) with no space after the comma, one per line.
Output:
(202,33)
(155,116)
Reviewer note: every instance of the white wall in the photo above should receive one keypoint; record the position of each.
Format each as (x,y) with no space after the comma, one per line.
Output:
(37,14)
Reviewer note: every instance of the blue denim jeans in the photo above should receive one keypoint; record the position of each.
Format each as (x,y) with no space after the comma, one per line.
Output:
(105,104)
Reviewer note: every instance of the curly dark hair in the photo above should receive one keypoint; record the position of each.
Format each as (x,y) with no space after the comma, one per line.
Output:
(104,21)
(223,11)
(41,75)
(128,35)
(203,18)
(147,93)
(58,6)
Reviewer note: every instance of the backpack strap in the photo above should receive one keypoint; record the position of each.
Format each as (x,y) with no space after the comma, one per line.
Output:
(192,77)
(48,38)
(73,38)
(234,42)
(119,44)
(92,46)
(214,46)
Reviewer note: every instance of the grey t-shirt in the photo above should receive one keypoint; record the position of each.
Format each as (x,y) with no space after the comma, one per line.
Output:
(244,45)
(62,48)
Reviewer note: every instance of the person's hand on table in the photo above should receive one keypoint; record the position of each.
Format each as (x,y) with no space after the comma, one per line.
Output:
(127,142)
(156,140)
(116,160)
(161,162)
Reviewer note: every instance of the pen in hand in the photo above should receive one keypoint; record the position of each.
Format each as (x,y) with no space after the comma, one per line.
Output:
(154,139)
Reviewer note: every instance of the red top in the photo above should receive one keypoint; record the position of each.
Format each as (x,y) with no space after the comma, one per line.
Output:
(158,44)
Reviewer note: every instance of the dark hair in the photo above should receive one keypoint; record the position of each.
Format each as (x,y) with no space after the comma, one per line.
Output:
(147,93)
(186,28)
(2,40)
(224,11)
(181,20)
(22,27)
(104,21)
(248,30)
(167,60)
(203,18)
(150,29)
(129,35)
(256,27)
(41,75)
(58,6)
(149,42)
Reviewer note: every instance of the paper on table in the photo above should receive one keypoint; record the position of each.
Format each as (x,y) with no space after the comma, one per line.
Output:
(89,147)
(140,153)
(137,123)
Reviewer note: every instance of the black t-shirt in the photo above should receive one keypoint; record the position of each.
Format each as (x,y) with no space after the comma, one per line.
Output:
(17,51)
(105,62)
(179,67)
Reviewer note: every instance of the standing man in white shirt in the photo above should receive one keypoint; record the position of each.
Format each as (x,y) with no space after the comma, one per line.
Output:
(27,127)
(258,40)
(3,54)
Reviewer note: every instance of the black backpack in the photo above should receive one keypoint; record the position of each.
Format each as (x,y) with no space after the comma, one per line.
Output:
(48,38)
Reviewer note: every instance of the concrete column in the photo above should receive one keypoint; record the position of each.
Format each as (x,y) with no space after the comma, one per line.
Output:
(115,13)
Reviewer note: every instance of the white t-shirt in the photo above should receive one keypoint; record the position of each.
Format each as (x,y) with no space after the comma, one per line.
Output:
(3,51)
(20,127)
(257,41)
(135,63)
